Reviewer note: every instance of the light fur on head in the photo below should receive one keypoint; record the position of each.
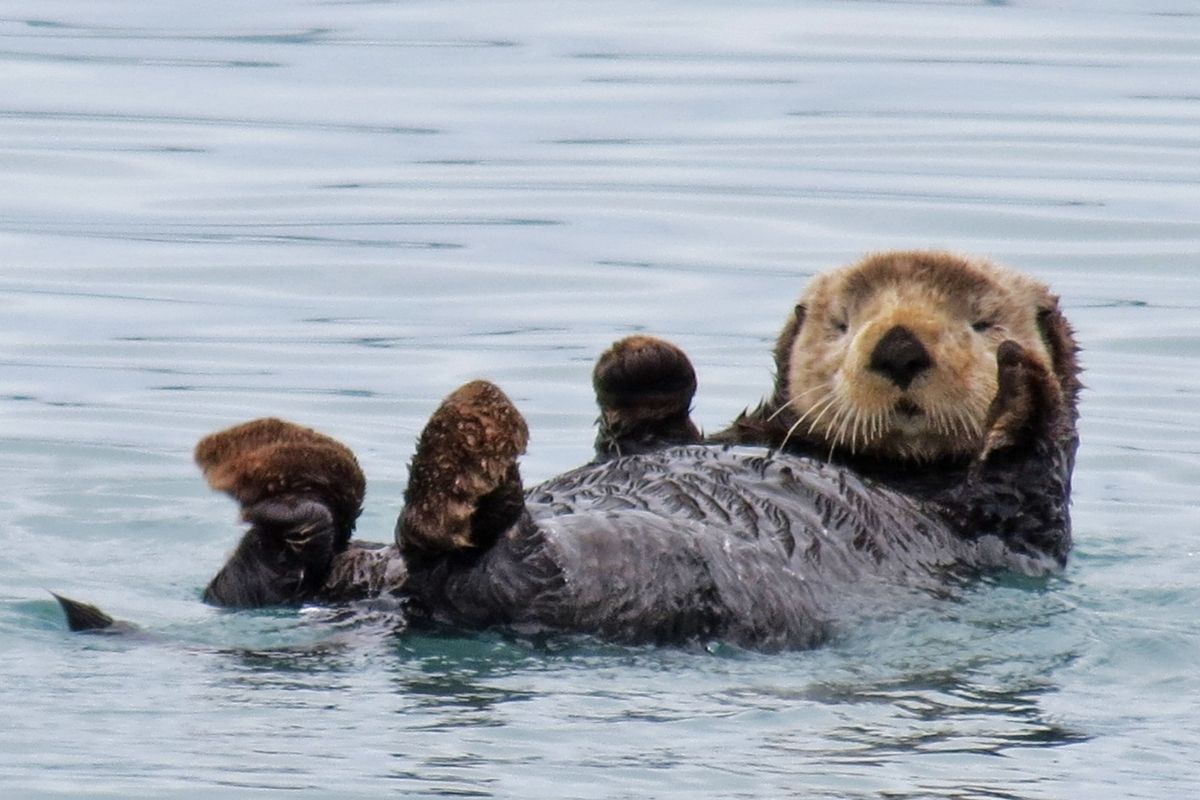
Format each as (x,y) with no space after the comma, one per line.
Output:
(959,309)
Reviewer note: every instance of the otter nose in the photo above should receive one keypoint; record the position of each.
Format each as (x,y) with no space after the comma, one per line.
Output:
(900,356)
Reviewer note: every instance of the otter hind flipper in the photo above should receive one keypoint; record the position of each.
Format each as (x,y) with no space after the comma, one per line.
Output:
(301,492)
(83,616)
(644,388)
(464,486)
(285,557)
(270,457)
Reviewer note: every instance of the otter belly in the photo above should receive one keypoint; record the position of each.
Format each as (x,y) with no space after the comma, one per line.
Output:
(697,543)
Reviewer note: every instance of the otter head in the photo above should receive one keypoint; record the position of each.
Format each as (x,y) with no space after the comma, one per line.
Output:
(895,356)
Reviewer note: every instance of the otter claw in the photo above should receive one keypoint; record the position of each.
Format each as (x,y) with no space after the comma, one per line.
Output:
(464,488)
(644,387)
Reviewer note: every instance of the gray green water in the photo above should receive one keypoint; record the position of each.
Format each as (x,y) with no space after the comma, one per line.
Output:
(336,212)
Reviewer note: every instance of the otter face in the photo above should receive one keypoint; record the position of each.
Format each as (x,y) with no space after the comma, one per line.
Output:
(895,356)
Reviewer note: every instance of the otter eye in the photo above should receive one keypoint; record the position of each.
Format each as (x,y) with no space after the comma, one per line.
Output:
(983,325)
(840,326)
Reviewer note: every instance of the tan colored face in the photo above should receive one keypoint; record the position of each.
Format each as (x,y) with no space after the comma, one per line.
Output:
(896,355)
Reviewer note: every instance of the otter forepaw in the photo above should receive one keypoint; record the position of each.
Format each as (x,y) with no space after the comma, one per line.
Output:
(464,487)
(1028,400)
(644,387)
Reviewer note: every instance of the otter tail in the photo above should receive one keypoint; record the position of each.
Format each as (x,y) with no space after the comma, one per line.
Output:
(82,616)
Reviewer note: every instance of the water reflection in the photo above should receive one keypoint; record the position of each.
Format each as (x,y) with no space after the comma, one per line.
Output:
(947,713)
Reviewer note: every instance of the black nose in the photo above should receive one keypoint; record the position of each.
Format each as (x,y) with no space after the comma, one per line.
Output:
(900,356)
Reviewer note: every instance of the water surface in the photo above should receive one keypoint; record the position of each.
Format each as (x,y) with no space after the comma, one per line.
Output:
(336,212)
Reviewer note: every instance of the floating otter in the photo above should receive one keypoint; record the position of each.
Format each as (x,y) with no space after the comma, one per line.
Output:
(921,430)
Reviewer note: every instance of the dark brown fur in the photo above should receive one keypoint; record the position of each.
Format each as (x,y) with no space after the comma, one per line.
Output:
(269,458)
(644,387)
(300,491)
(463,483)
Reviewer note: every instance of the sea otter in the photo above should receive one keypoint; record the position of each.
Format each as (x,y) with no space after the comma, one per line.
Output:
(921,430)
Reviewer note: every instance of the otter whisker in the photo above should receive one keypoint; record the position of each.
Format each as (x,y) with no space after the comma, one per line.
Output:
(942,422)
(962,421)
(783,407)
(833,401)
(814,407)
(835,436)
(839,424)
(970,425)
(823,403)
(973,425)
(954,421)
(787,436)
(868,426)
(938,419)
(819,407)
(863,423)
(792,400)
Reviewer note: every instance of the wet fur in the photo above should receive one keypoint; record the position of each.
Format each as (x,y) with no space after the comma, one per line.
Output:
(684,543)
(644,387)
(463,482)
(679,542)
(300,491)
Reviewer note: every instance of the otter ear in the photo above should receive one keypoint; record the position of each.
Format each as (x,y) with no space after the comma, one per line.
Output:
(783,349)
(1060,342)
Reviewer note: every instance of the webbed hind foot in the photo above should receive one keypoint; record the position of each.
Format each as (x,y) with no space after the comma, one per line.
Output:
(301,492)
(464,487)
(644,387)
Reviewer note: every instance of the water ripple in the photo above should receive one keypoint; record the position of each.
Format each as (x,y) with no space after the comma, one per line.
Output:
(337,211)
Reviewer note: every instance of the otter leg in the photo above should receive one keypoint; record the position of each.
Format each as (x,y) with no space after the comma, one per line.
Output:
(300,491)
(1028,406)
(644,387)
(464,487)
(283,558)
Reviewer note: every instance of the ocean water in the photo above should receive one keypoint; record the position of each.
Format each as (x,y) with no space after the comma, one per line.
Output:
(336,212)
